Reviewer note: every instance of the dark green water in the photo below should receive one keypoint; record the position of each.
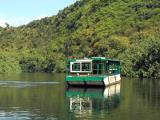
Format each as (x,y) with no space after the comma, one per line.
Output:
(45,97)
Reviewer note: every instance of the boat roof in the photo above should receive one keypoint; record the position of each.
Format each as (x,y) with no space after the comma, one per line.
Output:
(93,58)
(100,58)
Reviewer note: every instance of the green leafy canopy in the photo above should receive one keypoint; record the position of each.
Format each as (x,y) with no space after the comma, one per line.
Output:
(124,29)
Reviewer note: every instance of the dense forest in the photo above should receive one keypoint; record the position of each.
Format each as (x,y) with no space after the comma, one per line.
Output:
(125,29)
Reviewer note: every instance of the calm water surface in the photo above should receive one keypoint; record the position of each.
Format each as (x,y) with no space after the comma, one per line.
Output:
(45,97)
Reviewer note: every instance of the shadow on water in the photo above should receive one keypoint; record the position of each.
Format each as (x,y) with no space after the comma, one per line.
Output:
(149,91)
(86,102)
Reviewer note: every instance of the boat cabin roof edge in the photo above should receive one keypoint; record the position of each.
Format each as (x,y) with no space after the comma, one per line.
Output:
(94,58)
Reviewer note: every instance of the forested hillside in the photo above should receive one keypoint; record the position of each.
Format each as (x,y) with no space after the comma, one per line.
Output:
(124,29)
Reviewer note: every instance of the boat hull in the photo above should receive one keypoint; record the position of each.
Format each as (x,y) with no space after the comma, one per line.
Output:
(93,80)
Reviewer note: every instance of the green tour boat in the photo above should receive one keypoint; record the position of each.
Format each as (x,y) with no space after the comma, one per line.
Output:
(93,71)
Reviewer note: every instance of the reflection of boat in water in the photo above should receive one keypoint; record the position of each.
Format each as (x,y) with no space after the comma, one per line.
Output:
(85,101)
(112,90)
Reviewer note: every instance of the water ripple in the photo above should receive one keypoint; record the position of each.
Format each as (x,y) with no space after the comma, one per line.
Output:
(22,84)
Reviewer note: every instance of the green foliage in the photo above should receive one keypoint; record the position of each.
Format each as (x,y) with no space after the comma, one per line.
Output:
(143,60)
(110,28)
(8,62)
(36,61)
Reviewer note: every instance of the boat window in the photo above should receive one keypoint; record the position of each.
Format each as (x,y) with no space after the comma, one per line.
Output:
(113,67)
(98,67)
(76,67)
(86,66)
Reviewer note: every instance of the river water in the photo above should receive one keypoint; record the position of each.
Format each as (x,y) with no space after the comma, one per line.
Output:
(45,97)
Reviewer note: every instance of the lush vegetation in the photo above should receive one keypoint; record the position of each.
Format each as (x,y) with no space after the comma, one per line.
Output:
(143,60)
(124,29)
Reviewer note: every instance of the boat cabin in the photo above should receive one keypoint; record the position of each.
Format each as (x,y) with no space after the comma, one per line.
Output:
(96,66)
(93,71)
